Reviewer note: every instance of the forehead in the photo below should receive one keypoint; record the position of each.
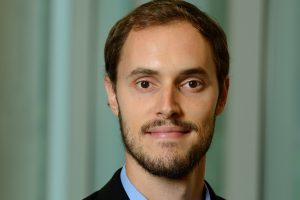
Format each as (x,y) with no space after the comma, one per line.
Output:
(166,49)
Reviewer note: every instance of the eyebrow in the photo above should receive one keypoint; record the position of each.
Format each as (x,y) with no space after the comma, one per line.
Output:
(149,72)
(142,71)
(194,71)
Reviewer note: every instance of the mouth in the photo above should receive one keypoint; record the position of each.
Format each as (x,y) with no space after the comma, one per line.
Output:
(168,132)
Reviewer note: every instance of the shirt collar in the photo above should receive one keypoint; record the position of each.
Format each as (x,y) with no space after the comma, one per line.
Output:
(134,194)
(207,195)
(129,188)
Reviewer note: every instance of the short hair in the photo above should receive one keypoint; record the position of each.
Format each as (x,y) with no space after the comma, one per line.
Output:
(162,12)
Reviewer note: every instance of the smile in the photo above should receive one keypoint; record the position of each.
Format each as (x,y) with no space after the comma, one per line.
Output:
(167,131)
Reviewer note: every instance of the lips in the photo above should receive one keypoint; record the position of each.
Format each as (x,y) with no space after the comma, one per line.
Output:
(167,131)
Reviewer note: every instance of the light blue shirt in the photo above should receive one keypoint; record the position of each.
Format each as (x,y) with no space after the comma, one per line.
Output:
(134,194)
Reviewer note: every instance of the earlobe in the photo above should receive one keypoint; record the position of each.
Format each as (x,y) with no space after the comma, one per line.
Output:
(111,95)
(223,98)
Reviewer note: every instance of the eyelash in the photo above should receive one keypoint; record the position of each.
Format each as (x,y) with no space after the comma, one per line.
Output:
(199,84)
(184,86)
(140,83)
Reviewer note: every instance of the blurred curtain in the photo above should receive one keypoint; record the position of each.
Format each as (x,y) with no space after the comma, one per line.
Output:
(281,163)
(59,140)
(23,93)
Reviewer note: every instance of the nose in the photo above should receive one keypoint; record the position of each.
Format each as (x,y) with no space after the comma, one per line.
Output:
(169,104)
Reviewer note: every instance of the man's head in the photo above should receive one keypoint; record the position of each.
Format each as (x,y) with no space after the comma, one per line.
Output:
(162,12)
(167,66)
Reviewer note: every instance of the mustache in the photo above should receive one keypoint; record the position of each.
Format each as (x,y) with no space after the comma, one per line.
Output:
(190,126)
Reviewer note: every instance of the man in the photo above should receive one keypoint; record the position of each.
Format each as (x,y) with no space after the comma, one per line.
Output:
(167,79)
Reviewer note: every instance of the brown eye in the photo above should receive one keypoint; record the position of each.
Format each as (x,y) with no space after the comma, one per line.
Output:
(193,84)
(144,84)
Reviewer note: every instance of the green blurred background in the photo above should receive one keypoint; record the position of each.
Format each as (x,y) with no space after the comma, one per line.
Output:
(59,140)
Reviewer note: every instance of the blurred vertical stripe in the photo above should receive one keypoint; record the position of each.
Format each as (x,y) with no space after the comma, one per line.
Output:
(59,109)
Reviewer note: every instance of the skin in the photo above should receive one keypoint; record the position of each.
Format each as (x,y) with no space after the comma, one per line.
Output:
(166,72)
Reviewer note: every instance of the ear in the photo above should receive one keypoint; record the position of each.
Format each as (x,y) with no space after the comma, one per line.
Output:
(223,97)
(111,95)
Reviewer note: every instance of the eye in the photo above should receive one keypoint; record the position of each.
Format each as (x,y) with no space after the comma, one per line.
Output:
(143,84)
(193,85)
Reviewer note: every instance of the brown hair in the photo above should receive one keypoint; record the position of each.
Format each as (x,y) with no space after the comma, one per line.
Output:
(160,12)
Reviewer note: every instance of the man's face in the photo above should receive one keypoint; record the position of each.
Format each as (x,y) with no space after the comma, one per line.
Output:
(166,98)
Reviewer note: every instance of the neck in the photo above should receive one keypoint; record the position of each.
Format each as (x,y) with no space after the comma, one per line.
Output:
(189,187)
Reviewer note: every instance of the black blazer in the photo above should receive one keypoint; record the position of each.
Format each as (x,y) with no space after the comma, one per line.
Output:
(114,190)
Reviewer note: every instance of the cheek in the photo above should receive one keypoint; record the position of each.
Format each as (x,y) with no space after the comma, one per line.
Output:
(201,109)
(132,110)
(131,102)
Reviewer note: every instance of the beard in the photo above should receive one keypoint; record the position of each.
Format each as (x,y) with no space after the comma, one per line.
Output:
(172,165)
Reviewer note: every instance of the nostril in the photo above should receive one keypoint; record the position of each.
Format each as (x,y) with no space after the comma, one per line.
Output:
(168,106)
(169,114)
(167,110)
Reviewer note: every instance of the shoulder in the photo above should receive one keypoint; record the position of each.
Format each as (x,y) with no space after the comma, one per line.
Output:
(212,194)
(112,190)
